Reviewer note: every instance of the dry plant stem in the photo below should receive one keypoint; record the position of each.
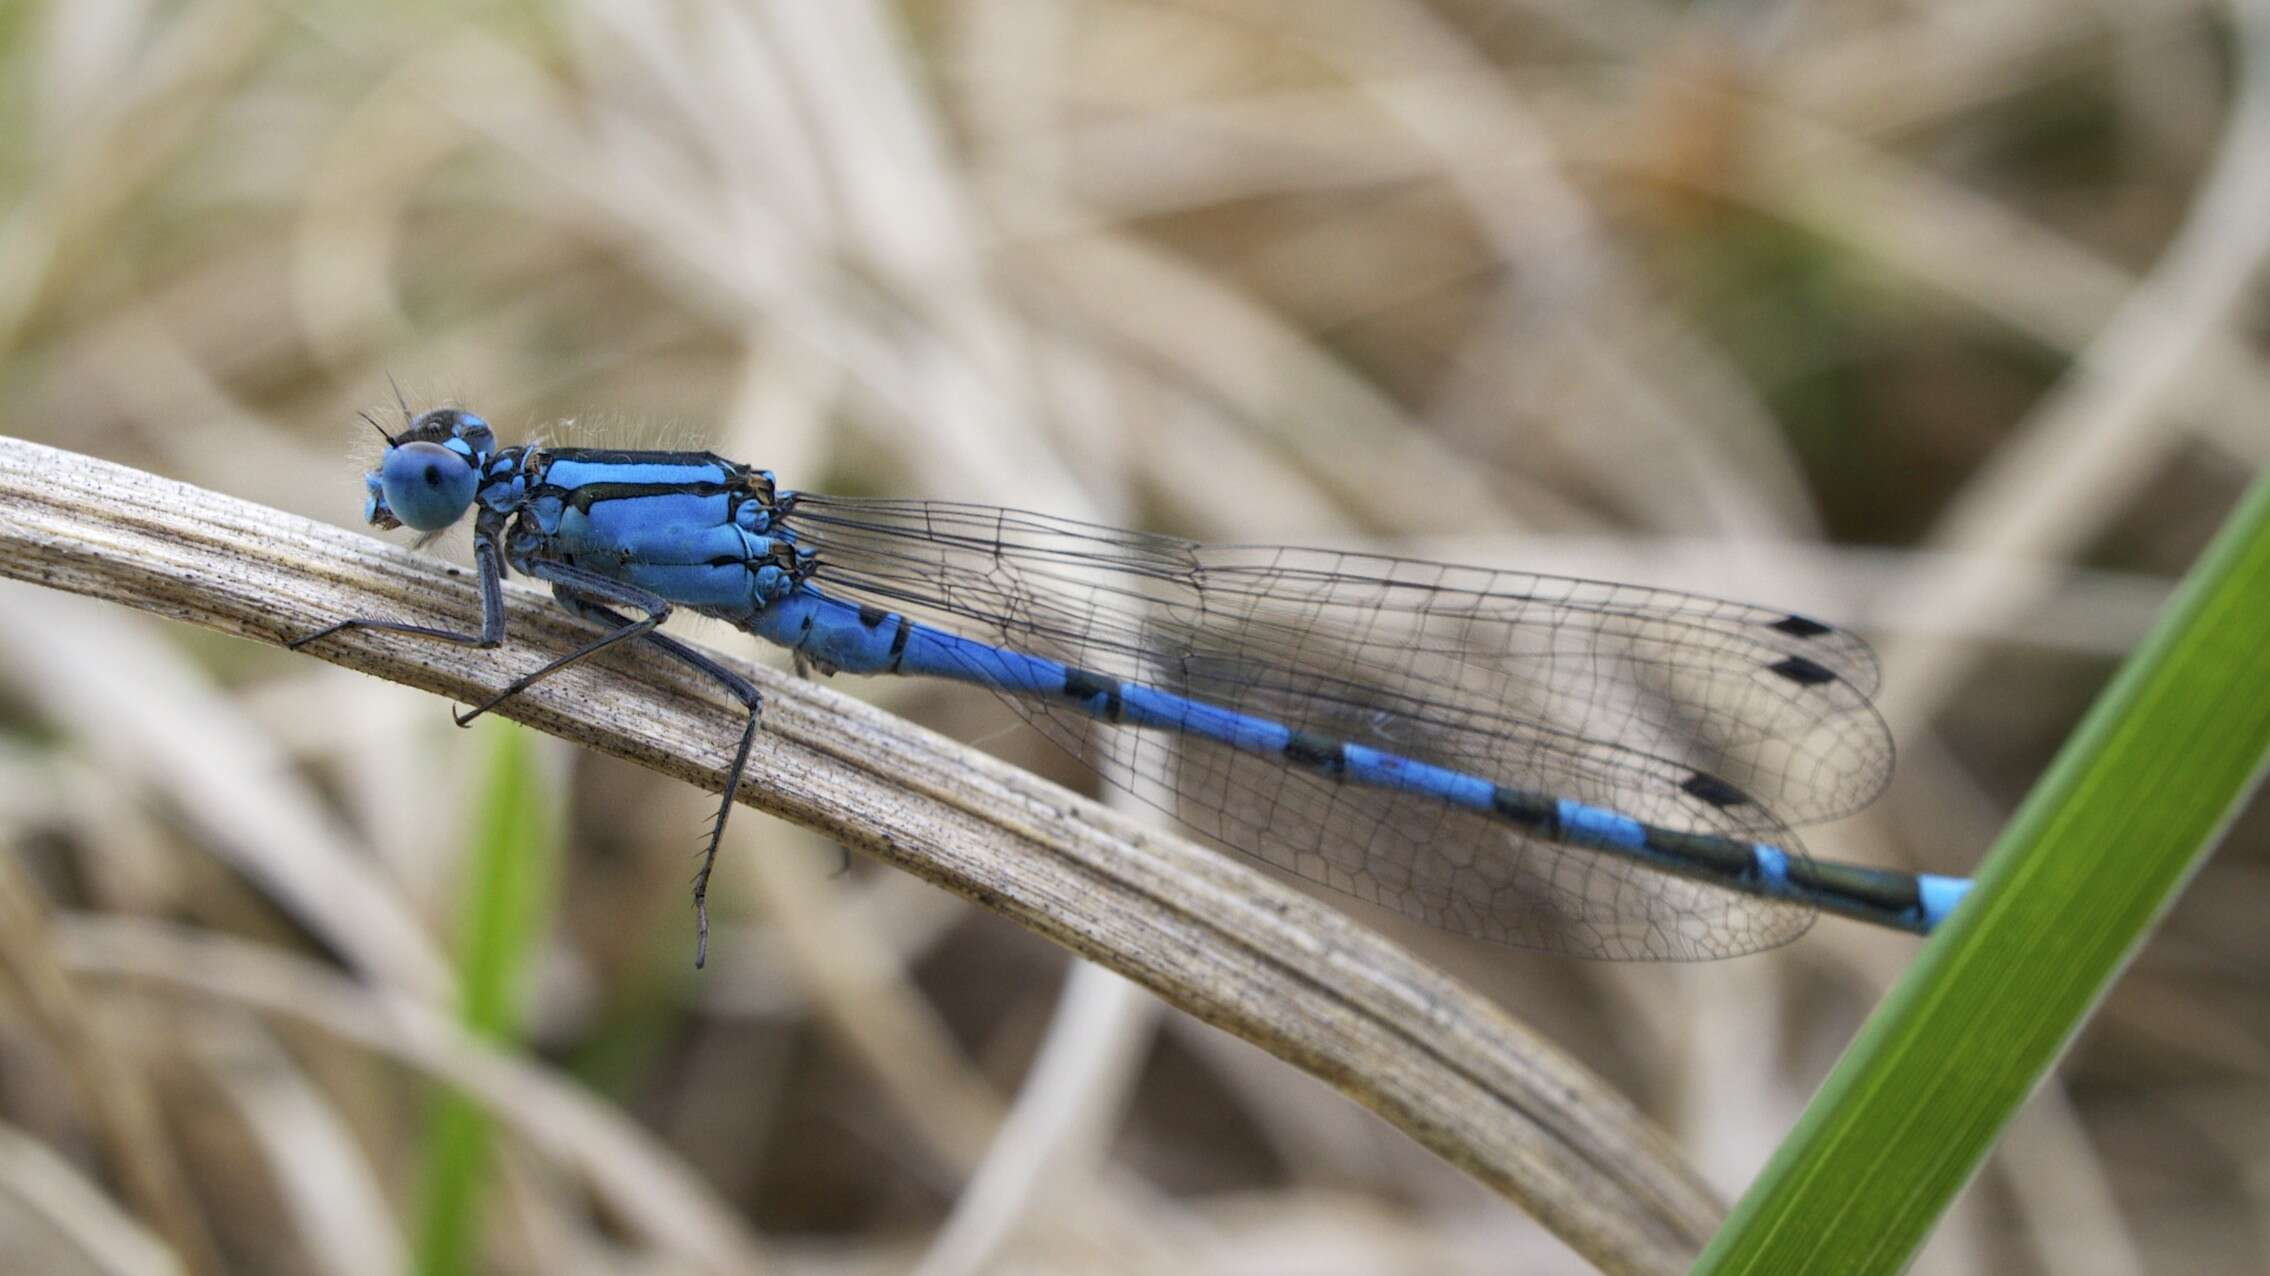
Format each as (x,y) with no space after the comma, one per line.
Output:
(652,1196)
(1202,931)
(118,1096)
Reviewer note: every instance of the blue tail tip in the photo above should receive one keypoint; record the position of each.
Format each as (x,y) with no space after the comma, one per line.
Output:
(1938,897)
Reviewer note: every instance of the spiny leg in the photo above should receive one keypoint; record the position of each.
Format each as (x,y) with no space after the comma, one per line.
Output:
(742,689)
(488,559)
(598,588)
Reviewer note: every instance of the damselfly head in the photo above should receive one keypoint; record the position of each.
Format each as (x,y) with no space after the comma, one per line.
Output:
(430,472)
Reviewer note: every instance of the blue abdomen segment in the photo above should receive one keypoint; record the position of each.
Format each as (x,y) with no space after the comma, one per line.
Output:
(838,635)
(844,637)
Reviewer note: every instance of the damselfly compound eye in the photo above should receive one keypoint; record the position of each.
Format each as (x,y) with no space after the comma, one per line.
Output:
(426,485)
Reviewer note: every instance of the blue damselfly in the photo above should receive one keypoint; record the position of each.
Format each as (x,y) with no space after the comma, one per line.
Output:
(1572,765)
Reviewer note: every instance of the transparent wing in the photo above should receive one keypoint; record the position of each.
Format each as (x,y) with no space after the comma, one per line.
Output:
(1682,711)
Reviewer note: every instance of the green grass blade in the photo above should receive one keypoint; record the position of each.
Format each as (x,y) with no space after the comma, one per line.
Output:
(2133,804)
(507,902)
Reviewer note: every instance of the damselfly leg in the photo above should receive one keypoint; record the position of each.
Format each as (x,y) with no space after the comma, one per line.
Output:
(489,560)
(743,690)
(591,597)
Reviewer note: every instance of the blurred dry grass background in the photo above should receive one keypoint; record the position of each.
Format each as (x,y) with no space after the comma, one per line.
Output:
(1935,318)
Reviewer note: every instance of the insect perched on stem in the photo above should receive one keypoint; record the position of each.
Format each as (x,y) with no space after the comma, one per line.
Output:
(1572,765)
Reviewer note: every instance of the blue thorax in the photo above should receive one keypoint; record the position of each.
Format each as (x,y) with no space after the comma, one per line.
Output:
(696,528)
